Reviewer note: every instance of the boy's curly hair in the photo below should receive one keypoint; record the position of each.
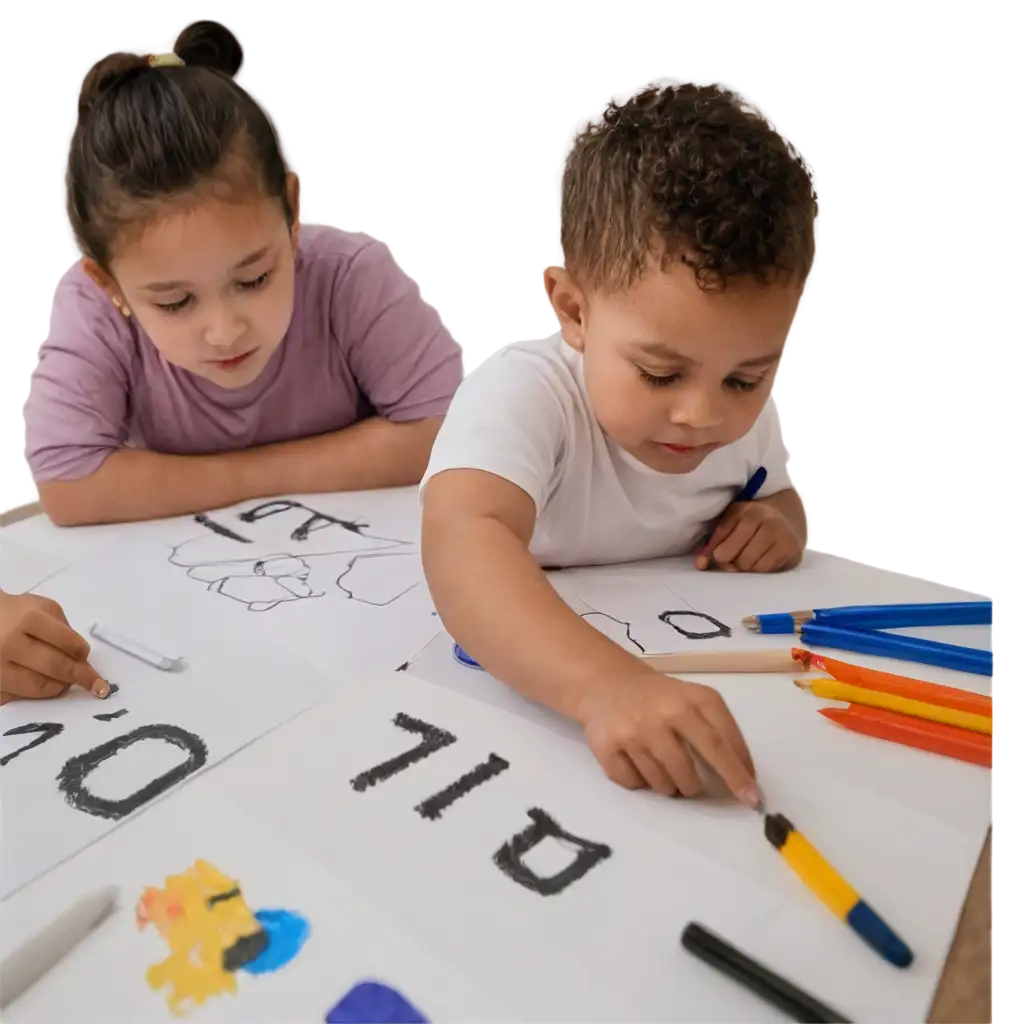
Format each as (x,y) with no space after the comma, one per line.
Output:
(689,173)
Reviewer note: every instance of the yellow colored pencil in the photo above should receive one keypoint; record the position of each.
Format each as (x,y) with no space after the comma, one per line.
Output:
(830,689)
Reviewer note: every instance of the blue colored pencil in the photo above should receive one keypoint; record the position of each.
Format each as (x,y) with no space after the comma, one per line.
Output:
(877,616)
(893,645)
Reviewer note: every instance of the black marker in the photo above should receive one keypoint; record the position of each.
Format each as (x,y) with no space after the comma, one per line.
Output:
(769,986)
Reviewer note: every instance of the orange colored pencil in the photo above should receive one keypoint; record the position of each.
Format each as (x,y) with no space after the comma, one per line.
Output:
(899,686)
(962,744)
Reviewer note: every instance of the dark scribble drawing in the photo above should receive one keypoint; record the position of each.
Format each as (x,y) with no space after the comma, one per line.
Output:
(282,576)
(46,730)
(627,626)
(111,715)
(718,628)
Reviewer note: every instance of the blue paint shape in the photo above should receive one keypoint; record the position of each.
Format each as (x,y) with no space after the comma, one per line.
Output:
(370,1002)
(287,932)
(463,658)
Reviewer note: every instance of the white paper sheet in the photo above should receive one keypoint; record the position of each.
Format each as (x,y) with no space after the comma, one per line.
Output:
(671,861)
(233,689)
(336,578)
(22,568)
(350,939)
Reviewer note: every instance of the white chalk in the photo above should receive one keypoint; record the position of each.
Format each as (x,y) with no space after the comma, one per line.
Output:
(135,649)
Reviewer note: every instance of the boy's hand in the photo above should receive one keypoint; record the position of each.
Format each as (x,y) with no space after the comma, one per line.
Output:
(752,536)
(40,654)
(638,729)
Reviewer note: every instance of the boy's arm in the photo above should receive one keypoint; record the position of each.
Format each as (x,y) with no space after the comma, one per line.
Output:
(493,596)
(134,484)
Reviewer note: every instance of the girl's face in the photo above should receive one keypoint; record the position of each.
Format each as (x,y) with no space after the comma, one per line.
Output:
(211,280)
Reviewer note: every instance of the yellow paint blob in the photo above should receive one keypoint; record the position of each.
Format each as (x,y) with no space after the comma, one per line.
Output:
(201,914)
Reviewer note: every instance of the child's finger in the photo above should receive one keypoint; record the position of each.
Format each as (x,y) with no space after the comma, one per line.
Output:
(654,774)
(621,770)
(723,757)
(22,682)
(756,548)
(53,664)
(771,561)
(667,748)
(724,527)
(739,537)
(56,632)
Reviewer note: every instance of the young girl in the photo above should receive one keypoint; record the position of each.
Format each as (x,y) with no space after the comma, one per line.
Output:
(207,349)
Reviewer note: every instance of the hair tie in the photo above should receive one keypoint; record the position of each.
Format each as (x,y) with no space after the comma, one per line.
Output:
(164,60)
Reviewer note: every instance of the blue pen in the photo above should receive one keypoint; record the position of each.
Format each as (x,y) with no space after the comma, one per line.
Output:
(903,648)
(754,484)
(881,616)
(463,658)
(749,492)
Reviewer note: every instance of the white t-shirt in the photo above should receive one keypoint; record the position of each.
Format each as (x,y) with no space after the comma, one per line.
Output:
(525,415)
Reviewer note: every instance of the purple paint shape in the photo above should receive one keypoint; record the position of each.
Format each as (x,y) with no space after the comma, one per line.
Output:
(370,1002)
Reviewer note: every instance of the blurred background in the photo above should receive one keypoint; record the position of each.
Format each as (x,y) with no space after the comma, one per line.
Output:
(903,395)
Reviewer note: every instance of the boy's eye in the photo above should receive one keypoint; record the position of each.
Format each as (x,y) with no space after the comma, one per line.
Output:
(739,384)
(174,307)
(658,381)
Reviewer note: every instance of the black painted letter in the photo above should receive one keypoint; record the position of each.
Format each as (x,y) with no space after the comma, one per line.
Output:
(720,628)
(71,780)
(46,730)
(434,739)
(510,857)
(434,806)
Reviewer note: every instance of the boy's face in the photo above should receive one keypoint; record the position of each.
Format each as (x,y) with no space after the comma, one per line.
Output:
(211,281)
(674,372)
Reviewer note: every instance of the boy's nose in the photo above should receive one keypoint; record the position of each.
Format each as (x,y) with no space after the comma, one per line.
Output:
(697,409)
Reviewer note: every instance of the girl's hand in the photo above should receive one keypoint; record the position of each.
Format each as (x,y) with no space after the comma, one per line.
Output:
(640,728)
(40,654)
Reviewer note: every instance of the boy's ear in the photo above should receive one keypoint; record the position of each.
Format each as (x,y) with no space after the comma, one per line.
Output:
(291,191)
(102,279)
(568,302)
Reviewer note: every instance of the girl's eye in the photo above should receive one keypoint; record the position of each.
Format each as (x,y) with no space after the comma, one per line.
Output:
(256,283)
(738,384)
(656,381)
(174,307)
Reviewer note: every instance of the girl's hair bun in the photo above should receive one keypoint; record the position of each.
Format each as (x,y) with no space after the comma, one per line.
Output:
(209,44)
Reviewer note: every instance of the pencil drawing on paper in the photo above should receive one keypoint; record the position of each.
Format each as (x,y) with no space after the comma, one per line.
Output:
(212,934)
(294,553)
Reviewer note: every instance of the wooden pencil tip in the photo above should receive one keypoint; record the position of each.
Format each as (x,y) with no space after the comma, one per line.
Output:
(753,623)
(803,684)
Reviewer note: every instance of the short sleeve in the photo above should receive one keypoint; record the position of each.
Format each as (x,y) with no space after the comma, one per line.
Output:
(402,356)
(772,452)
(77,406)
(508,418)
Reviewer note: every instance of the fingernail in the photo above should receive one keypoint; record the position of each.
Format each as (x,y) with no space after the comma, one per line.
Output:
(101,688)
(751,796)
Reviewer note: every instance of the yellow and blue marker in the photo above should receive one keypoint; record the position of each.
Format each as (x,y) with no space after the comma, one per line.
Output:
(834,891)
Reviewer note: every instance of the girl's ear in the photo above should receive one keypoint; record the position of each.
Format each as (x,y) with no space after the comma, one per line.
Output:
(102,279)
(291,191)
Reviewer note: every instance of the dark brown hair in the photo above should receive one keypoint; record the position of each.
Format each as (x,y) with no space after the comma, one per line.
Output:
(146,134)
(688,173)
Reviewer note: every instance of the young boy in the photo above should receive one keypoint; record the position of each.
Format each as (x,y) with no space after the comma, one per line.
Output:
(688,234)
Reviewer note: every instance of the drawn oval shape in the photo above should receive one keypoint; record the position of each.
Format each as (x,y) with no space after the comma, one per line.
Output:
(72,778)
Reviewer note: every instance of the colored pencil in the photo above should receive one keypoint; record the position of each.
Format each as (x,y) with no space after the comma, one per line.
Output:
(770,660)
(934,737)
(877,616)
(834,891)
(899,686)
(831,689)
(763,982)
(904,648)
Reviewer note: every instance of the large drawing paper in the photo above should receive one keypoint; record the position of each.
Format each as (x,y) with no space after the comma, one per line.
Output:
(336,578)
(669,861)
(64,782)
(350,940)
(22,568)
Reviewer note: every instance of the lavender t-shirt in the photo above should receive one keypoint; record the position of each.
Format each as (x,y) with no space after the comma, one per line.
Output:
(361,342)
